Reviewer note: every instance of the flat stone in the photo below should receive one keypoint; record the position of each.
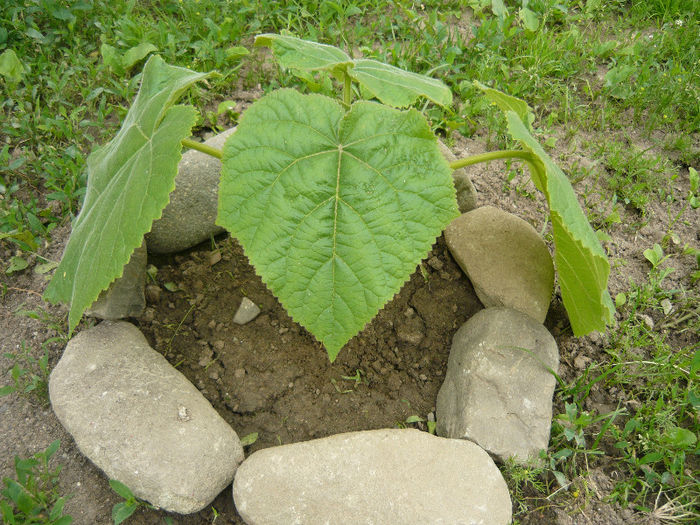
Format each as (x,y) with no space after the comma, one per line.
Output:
(505,258)
(466,192)
(498,387)
(125,296)
(141,421)
(390,476)
(190,217)
(247,311)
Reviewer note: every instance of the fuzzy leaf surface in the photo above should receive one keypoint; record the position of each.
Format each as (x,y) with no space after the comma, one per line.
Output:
(129,183)
(396,87)
(333,209)
(295,53)
(581,263)
(391,85)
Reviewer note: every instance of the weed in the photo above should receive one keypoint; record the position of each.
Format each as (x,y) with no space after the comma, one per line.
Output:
(525,483)
(633,177)
(29,375)
(33,496)
(124,509)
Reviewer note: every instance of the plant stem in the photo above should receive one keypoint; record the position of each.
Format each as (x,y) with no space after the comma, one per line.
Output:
(199,146)
(347,90)
(492,155)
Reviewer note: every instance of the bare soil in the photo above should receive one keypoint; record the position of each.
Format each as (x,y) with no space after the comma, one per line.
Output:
(270,376)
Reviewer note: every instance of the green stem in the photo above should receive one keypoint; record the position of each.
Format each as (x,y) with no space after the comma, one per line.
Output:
(199,146)
(347,90)
(492,155)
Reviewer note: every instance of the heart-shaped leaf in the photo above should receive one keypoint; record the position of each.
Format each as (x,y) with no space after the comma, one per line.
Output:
(582,265)
(334,209)
(129,184)
(391,85)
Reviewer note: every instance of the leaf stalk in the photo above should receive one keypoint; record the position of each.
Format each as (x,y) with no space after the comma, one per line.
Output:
(347,90)
(492,155)
(199,146)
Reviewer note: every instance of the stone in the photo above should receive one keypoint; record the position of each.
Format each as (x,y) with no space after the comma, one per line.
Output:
(125,296)
(190,216)
(410,329)
(466,193)
(247,311)
(141,421)
(498,387)
(389,476)
(505,258)
(153,293)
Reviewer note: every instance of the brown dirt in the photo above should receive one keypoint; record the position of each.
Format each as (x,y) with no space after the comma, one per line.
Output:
(270,376)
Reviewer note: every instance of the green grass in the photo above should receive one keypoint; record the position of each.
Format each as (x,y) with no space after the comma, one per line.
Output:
(605,76)
(655,445)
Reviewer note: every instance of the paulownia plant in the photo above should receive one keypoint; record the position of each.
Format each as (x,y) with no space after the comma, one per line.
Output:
(335,202)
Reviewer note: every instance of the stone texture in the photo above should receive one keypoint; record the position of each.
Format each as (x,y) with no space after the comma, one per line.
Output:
(190,216)
(506,260)
(141,421)
(392,476)
(498,388)
(466,193)
(247,311)
(125,296)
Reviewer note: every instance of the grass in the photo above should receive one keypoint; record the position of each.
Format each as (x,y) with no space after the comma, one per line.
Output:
(609,78)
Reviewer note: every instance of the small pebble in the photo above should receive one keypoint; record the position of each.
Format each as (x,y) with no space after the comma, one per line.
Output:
(148,315)
(239,373)
(435,263)
(219,345)
(247,311)
(153,293)
(647,320)
(581,362)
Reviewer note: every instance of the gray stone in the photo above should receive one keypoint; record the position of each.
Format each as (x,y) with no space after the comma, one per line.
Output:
(391,476)
(125,296)
(141,421)
(466,193)
(247,311)
(190,216)
(505,258)
(498,387)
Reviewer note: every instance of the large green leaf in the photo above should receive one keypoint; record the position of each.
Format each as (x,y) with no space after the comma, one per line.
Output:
(129,183)
(391,85)
(582,265)
(334,209)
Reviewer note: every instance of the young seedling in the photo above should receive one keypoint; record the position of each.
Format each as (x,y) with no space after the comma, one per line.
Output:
(33,496)
(335,202)
(124,509)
